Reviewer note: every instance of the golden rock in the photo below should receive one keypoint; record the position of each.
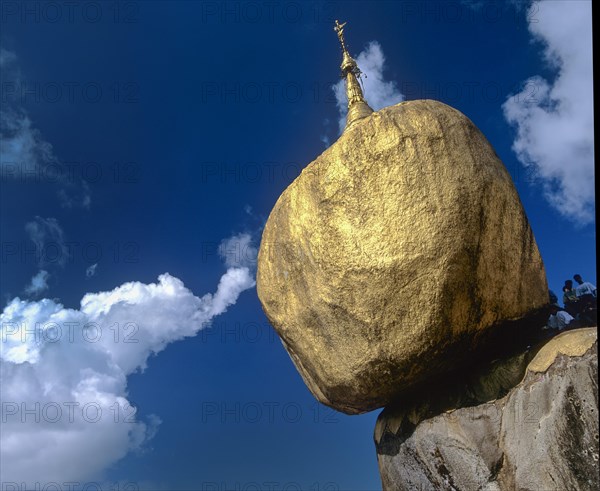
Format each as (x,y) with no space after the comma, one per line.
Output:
(384,261)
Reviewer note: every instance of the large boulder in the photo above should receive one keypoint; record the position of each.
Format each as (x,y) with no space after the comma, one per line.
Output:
(391,254)
(542,435)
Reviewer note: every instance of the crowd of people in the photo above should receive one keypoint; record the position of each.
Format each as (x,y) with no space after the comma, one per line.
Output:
(580,306)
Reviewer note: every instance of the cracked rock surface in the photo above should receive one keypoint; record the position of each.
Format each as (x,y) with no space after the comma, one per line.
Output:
(541,436)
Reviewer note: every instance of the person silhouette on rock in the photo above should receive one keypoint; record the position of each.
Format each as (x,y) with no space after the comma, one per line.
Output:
(570,300)
(586,295)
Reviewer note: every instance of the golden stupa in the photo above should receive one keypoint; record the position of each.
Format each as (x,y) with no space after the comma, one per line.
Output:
(357,106)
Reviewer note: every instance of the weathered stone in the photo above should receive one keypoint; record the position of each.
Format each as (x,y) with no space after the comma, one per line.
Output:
(388,258)
(541,436)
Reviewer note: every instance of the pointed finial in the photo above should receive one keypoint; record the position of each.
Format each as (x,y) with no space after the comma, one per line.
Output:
(339,29)
(357,106)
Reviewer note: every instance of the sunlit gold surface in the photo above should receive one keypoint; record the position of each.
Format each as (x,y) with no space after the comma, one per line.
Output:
(392,248)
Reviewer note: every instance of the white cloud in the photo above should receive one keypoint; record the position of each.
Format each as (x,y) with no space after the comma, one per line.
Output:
(238,251)
(50,250)
(6,57)
(24,154)
(91,270)
(68,368)
(555,120)
(378,92)
(77,195)
(38,284)
(48,238)
(22,149)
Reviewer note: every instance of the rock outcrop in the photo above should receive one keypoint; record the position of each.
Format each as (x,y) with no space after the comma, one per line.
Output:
(393,253)
(541,436)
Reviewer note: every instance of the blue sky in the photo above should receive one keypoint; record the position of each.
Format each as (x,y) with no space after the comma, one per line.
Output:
(139,136)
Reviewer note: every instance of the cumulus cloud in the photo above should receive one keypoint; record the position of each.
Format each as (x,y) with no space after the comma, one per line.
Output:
(554,120)
(38,284)
(378,92)
(24,154)
(239,251)
(65,408)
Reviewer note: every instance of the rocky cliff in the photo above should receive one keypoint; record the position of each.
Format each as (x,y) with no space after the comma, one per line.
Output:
(541,436)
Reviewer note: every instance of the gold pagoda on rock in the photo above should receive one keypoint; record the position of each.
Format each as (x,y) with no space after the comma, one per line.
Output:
(357,106)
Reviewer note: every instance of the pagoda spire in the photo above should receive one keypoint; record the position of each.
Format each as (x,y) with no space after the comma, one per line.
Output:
(357,105)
